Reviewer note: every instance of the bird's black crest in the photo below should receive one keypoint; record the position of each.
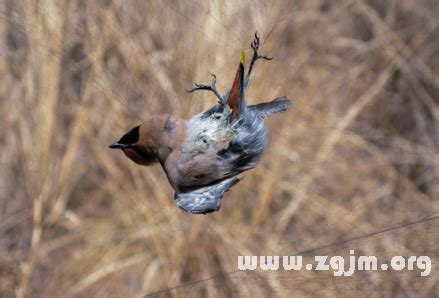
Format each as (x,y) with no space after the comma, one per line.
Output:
(130,137)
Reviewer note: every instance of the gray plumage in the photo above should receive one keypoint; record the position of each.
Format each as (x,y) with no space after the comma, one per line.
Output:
(220,145)
(275,106)
(203,156)
(205,199)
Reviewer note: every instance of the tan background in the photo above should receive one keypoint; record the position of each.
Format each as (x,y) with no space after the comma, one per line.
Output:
(356,154)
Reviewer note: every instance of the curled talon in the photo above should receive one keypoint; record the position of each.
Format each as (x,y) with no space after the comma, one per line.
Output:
(255,42)
(264,57)
(211,87)
(213,80)
(255,46)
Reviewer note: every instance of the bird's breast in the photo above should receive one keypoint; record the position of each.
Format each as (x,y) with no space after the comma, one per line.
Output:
(215,149)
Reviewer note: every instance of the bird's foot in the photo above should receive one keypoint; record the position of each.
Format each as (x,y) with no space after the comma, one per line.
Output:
(256,56)
(211,87)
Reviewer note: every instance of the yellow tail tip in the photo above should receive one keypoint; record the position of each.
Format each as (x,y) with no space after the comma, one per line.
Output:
(242,57)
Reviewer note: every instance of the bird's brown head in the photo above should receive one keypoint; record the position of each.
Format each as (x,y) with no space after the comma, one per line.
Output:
(149,142)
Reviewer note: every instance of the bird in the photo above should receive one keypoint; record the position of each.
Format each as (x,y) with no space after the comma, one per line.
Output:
(204,155)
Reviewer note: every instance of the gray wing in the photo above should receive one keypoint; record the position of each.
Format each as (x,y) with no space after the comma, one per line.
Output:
(275,106)
(205,199)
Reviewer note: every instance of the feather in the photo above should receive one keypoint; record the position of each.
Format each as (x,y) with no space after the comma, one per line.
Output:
(204,199)
(275,106)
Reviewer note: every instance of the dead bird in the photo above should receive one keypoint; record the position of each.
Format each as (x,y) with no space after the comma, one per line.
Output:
(202,156)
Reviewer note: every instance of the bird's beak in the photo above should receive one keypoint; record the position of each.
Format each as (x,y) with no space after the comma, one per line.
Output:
(118,146)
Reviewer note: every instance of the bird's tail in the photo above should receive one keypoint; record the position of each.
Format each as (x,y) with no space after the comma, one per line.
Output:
(275,106)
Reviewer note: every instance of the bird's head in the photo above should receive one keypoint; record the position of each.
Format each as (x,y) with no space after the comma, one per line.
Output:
(146,143)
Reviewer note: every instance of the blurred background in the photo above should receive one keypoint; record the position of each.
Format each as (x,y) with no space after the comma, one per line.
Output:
(352,162)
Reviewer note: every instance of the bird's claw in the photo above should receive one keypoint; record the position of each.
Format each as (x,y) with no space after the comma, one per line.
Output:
(255,46)
(256,56)
(211,87)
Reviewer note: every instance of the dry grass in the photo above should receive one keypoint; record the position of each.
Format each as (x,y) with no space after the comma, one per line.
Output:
(357,153)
